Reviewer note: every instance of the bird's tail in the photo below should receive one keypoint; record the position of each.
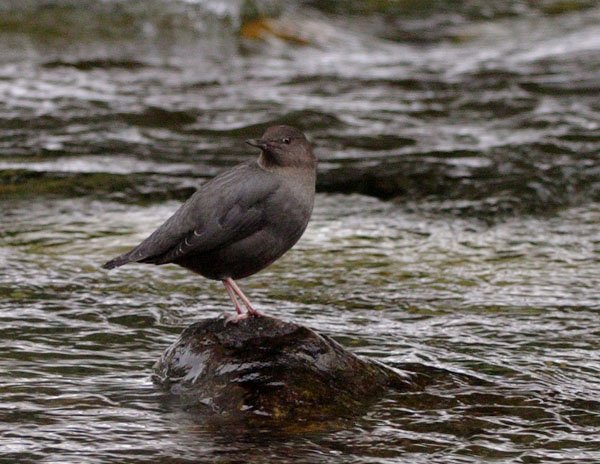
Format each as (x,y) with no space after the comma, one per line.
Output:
(118,261)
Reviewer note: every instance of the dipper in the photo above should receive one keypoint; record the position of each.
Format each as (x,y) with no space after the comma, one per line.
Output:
(242,220)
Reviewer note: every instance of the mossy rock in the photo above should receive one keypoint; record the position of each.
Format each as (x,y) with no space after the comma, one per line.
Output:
(140,188)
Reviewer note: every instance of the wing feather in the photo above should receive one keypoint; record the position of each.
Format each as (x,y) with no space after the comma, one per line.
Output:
(226,209)
(237,225)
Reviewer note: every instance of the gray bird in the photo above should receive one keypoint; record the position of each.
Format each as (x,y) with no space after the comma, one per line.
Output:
(242,220)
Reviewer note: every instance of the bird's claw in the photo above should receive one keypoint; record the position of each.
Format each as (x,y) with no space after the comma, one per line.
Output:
(235,318)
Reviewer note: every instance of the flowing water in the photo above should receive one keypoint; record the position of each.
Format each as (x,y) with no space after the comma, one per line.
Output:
(456,232)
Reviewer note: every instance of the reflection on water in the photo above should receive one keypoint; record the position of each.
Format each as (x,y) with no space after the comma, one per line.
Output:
(478,122)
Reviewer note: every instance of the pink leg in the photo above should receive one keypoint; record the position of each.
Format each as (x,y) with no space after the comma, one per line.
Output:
(231,292)
(244,298)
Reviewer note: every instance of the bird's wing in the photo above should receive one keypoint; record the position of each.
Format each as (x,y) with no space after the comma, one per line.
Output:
(226,209)
(236,224)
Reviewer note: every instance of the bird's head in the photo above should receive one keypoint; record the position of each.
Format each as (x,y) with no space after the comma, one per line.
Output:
(285,146)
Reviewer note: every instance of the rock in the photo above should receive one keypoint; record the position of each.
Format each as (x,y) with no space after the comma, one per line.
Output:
(435,174)
(529,178)
(132,187)
(267,368)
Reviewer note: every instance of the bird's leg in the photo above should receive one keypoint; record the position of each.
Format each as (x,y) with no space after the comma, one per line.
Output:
(244,298)
(231,291)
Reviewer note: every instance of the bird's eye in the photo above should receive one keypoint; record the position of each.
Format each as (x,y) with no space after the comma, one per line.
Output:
(285,140)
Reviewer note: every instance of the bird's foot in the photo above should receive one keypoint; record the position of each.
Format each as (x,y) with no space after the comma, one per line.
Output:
(235,318)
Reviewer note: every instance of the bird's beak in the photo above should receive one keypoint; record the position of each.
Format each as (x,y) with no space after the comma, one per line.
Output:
(260,143)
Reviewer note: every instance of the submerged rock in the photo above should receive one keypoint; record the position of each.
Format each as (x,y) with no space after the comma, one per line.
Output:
(528,178)
(269,368)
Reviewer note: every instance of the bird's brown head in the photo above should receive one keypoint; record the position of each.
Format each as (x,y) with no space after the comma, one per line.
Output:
(285,146)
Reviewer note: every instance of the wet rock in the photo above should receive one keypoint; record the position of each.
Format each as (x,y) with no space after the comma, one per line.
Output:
(534,178)
(418,175)
(306,120)
(132,188)
(274,28)
(98,63)
(267,368)
(23,182)
(153,116)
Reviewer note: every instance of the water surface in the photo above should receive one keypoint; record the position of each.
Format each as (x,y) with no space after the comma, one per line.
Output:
(477,125)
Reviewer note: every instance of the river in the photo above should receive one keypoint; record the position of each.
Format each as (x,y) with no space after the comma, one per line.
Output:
(455,230)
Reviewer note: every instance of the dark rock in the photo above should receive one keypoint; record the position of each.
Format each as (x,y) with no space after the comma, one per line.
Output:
(418,175)
(153,116)
(534,178)
(132,188)
(302,119)
(270,369)
(98,63)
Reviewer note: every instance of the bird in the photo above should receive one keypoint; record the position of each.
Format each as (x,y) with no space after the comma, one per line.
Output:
(240,221)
